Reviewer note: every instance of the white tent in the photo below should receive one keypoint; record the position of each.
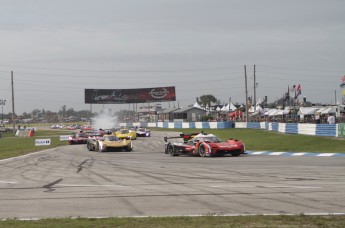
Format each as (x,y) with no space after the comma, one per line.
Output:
(229,107)
(328,110)
(319,111)
(196,105)
(281,112)
(268,112)
(307,111)
(258,108)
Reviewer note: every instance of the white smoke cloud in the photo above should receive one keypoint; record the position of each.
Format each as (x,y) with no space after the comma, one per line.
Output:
(104,121)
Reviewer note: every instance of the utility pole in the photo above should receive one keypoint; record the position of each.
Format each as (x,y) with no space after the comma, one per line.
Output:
(254,90)
(13,115)
(229,106)
(246,89)
(2,103)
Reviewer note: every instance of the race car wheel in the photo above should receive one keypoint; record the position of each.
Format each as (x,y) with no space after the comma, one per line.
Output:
(171,150)
(89,147)
(235,153)
(129,148)
(97,147)
(202,151)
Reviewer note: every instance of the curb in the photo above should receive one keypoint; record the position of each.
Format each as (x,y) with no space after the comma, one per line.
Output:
(296,154)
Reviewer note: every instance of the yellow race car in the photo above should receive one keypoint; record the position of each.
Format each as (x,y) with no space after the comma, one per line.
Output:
(126,134)
(109,143)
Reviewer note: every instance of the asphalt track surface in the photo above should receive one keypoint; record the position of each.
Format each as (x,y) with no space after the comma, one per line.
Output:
(71,181)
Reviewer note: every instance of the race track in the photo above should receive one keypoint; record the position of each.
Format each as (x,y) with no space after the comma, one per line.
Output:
(71,181)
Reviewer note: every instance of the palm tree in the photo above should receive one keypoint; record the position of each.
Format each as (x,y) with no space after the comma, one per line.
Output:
(206,101)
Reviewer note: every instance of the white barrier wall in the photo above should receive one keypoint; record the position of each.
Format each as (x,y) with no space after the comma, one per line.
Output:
(289,128)
(306,129)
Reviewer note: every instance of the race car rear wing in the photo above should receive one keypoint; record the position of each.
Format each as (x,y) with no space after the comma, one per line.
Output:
(171,137)
(185,137)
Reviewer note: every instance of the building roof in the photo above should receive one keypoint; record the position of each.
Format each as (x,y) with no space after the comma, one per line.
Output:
(182,110)
(170,110)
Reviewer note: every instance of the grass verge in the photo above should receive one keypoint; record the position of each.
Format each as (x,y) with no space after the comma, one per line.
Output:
(261,140)
(12,146)
(203,221)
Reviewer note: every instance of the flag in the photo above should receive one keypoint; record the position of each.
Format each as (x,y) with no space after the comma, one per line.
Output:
(342,82)
(299,90)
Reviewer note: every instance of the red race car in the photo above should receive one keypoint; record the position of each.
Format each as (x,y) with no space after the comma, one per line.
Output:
(78,138)
(204,145)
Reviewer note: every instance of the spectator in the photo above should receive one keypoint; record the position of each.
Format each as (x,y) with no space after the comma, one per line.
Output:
(331,119)
(317,118)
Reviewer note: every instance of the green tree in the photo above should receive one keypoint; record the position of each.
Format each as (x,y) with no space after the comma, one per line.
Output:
(206,101)
(62,111)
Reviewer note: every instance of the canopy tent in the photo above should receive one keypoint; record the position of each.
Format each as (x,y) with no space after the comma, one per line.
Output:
(319,111)
(196,105)
(268,112)
(307,111)
(255,109)
(328,110)
(229,107)
(281,112)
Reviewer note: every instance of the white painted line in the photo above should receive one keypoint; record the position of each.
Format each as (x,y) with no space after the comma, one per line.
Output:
(195,215)
(8,182)
(291,186)
(264,186)
(238,186)
(91,185)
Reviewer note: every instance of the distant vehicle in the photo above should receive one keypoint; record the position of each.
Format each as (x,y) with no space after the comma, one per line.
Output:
(78,138)
(204,145)
(87,128)
(143,132)
(96,133)
(109,143)
(71,127)
(55,126)
(126,134)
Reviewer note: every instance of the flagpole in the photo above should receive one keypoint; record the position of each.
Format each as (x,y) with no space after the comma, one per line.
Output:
(246,91)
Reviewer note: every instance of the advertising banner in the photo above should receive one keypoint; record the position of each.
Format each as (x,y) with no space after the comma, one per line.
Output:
(42,142)
(125,96)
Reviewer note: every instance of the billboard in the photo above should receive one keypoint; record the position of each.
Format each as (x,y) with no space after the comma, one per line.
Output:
(125,96)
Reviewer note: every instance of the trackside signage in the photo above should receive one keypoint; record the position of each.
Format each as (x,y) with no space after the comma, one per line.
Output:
(128,96)
(42,142)
(64,137)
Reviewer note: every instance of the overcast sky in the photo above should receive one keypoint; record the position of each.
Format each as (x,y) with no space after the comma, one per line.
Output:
(56,49)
